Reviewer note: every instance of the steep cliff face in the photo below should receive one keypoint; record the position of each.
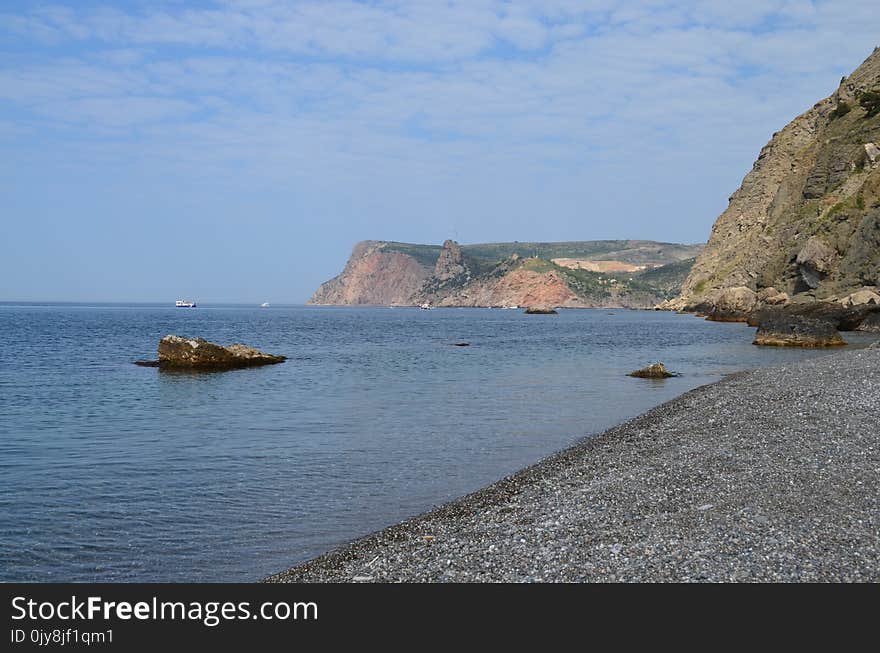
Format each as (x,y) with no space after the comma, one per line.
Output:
(374,276)
(451,264)
(516,283)
(451,271)
(806,220)
(387,273)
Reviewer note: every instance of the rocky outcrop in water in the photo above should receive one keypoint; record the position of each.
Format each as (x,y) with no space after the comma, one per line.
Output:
(841,316)
(778,329)
(813,324)
(806,220)
(178,353)
(654,371)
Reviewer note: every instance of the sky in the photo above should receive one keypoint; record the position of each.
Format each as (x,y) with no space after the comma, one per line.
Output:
(235,150)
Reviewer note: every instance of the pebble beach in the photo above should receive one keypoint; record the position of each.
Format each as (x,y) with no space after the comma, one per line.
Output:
(766,476)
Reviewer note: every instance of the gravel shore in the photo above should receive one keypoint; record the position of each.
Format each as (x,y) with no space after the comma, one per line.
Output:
(769,475)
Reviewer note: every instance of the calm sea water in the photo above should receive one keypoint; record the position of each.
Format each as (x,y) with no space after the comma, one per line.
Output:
(112,472)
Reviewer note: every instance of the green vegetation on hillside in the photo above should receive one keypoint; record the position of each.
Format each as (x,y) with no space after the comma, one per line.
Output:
(540,265)
(652,285)
(841,110)
(494,260)
(870,101)
(666,280)
(425,254)
(452,273)
(635,252)
(482,258)
(583,249)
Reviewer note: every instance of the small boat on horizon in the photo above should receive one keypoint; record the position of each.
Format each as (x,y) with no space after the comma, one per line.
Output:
(264,305)
(184,303)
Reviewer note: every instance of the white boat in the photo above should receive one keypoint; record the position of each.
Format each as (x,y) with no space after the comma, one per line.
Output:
(184,303)
(264,305)
(426,307)
(509,308)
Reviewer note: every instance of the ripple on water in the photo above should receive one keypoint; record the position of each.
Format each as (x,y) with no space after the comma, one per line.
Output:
(116,472)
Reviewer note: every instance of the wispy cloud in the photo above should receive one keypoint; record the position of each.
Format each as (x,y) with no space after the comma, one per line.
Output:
(489,118)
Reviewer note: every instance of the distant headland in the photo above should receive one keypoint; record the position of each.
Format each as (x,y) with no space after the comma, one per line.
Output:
(599,273)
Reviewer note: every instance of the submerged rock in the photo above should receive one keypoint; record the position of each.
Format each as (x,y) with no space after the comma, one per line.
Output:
(655,371)
(787,329)
(176,352)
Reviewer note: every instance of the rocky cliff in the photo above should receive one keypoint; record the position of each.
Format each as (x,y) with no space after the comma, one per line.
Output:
(374,275)
(636,274)
(805,224)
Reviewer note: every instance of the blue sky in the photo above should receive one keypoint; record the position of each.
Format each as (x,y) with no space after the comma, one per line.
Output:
(236,150)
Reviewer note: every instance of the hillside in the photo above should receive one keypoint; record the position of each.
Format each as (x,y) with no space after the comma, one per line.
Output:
(609,273)
(804,225)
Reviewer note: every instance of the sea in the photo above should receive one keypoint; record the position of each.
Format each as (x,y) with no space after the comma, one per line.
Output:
(114,472)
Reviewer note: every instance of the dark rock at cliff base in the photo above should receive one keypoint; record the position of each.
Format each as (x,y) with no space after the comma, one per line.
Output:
(540,311)
(732,305)
(865,317)
(178,353)
(655,371)
(871,324)
(843,318)
(787,329)
(815,261)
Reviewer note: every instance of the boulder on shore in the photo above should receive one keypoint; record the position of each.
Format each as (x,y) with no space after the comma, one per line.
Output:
(803,319)
(844,318)
(180,353)
(815,261)
(863,297)
(871,324)
(535,310)
(655,371)
(733,305)
(772,297)
(787,329)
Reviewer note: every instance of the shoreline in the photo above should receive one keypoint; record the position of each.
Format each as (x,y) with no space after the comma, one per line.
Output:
(765,475)
(615,307)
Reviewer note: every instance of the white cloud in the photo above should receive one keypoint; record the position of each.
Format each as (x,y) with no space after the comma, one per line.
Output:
(480,114)
(121,111)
